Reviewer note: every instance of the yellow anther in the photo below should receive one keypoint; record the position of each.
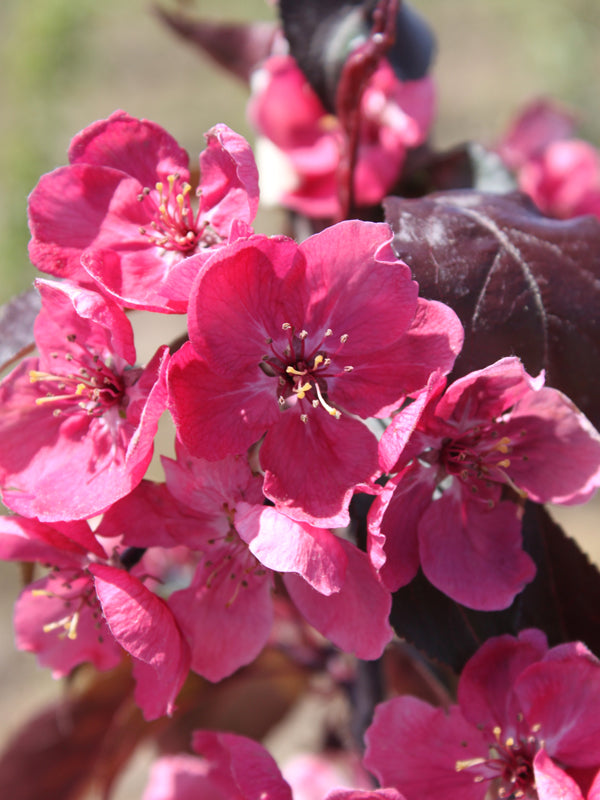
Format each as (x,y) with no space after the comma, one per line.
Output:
(504,463)
(293,371)
(497,731)
(510,742)
(318,361)
(302,390)
(171,180)
(502,445)
(328,122)
(159,187)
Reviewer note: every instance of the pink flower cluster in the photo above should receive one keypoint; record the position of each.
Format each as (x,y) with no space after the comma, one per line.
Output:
(296,354)
(292,349)
(560,173)
(525,727)
(303,145)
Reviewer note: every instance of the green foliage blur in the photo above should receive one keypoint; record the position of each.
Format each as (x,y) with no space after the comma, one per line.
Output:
(65,63)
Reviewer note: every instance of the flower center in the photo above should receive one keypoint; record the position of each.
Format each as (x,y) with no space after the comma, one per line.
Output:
(227,559)
(173,224)
(510,763)
(479,459)
(76,591)
(303,365)
(92,386)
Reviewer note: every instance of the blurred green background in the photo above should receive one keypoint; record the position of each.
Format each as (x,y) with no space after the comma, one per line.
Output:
(64,63)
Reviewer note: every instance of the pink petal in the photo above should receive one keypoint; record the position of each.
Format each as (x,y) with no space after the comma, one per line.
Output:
(364,794)
(539,123)
(356,617)
(226,614)
(487,393)
(370,296)
(61,544)
(485,690)
(556,450)
(182,777)
(229,179)
(472,553)
(141,518)
(243,764)
(144,626)
(81,206)
(205,485)
(393,525)
(561,694)
(135,146)
(551,782)
(283,545)
(330,458)
(416,748)
(240,302)
(214,414)
(86,317)
(133,278)
(397,434)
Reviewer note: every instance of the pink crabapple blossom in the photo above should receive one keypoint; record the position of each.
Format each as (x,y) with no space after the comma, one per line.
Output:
(78,422)
(560,173)
(88,608)
(216,510)
(463,459)
(233,767)
(526,727)
(121,212)
(302,144)
(299,344)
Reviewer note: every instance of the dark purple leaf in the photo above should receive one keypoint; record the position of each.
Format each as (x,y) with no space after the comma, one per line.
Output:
(563,601)
(237,47)
(322,34)
(16,326)
(520,282)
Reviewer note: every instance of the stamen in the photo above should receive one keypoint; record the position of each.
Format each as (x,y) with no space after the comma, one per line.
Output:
(330,409)
(471,762)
